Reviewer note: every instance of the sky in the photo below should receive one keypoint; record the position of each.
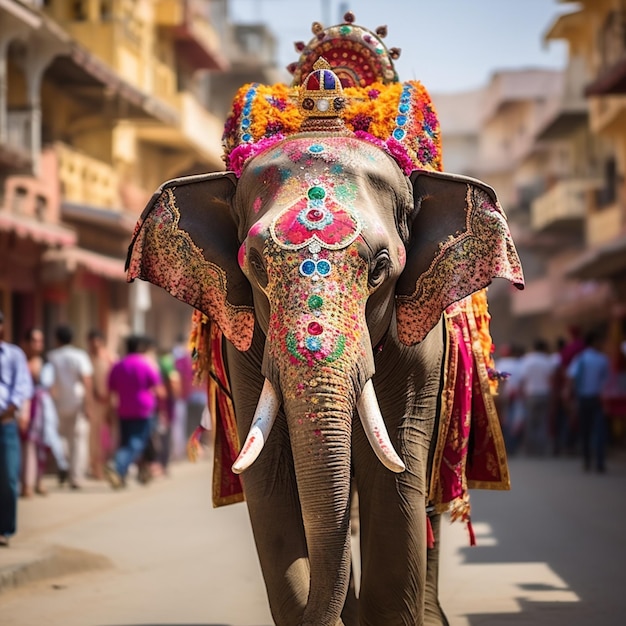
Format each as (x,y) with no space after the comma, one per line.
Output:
(449,45)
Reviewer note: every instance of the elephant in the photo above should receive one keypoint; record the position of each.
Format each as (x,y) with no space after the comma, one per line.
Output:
(327,269)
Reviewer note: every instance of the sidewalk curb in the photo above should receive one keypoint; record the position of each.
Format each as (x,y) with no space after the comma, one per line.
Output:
(50,562)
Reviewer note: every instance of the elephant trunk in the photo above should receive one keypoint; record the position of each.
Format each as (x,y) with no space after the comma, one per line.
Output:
(321,442)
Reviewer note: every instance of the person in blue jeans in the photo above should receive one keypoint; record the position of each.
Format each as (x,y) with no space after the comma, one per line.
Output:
(135,385)
(589,372)
(16,389)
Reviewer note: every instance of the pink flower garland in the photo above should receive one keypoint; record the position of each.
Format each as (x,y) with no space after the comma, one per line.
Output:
(245,151)
(393,148)
(238,158)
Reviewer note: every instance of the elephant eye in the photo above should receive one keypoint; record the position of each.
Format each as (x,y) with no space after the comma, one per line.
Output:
(258,267)
(379,268)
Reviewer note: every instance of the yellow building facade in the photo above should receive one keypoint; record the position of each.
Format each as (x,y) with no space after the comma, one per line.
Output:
(101,102)
(594,30)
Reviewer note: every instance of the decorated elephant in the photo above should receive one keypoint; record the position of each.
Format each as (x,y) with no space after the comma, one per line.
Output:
(326,258)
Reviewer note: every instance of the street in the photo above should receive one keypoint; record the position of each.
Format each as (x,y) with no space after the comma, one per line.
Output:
(549,552)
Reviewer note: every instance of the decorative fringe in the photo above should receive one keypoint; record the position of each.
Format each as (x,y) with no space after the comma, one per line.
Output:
(472,536)
(460,507)
(199,346)
(482,317)
(430,535)
(194,447)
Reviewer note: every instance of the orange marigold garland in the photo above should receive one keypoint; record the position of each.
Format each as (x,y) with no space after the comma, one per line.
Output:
(400,115)
(482,317)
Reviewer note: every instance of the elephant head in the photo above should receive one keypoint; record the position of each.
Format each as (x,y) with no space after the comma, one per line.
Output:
(325,243)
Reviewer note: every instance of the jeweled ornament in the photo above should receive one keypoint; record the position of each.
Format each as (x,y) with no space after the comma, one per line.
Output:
(316,193)
(315,328)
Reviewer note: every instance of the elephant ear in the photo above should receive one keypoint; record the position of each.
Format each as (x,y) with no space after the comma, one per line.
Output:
(460,241)
(186,242)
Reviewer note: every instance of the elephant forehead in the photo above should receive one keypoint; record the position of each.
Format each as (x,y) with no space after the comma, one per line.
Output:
(316,224)
(320,207)
(344,149)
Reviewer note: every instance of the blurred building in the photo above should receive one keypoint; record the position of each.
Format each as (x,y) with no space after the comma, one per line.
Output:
(553,145)
(100,102)
(596,32)
(492,134)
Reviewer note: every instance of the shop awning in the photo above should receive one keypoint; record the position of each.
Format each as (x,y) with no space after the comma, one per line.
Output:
(601,262)
(113,221)
(92,262)
(40,232)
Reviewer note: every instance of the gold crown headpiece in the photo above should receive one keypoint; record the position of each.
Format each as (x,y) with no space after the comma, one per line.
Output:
(321,93)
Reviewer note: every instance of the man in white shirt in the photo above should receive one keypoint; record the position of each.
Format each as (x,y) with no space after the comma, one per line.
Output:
(73,384)
(509,400)
(536,372)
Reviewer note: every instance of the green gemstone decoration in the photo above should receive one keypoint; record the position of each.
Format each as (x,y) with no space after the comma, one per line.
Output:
(317,193)
(315,302)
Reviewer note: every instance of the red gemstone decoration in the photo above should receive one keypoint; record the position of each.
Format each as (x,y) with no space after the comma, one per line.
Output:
(313,82)
(314,215)
(315,329)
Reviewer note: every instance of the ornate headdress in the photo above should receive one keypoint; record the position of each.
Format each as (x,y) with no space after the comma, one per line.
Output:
(344,81)
(357,55)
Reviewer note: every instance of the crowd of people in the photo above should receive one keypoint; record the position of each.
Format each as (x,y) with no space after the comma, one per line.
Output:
(95,416)
(89,414)
(554,402)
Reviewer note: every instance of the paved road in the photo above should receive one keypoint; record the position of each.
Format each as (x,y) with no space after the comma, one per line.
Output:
(550,552)
(175,559)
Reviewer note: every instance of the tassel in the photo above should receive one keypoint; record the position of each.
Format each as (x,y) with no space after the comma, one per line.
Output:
(472,536)
(194,447)
(430,536)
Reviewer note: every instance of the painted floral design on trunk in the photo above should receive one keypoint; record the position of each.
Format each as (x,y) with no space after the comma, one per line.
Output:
(318,308)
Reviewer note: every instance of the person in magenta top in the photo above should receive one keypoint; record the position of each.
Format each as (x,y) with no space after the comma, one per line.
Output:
(135,386)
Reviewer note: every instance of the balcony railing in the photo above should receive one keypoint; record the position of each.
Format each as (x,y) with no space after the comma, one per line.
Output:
(562,205)
(604,225)
(19,131)
(605,112)
(87,181)
(198,39)
(200,127)
(164,83)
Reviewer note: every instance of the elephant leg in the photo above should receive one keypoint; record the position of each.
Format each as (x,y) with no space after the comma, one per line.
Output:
(393,548)
(393,506)
(272,499)
(433,613)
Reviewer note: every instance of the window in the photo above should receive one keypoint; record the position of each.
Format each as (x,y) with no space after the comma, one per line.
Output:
(79,11)
(41,207)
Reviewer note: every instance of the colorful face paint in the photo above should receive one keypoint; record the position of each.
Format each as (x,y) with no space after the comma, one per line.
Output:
(317,281)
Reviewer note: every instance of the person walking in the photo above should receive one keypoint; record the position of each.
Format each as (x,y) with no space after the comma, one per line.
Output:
(16,390)
(536,371)
(42,431)
(172,387)
(100,436)
(589,372)
(509,400)
(135,386)
(73,382)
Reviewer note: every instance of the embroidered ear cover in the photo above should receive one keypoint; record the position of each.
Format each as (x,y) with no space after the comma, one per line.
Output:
(186,243)
(460,242)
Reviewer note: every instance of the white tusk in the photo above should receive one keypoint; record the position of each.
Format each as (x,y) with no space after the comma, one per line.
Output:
(262,422)
(375,429)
